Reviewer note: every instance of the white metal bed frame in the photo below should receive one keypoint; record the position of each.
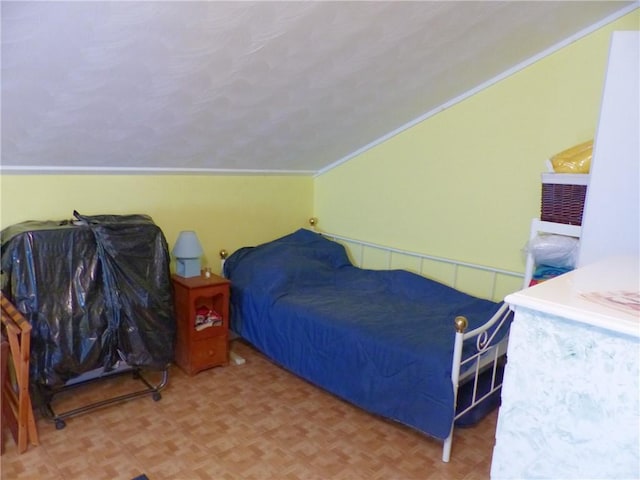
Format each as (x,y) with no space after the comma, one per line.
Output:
(487,353)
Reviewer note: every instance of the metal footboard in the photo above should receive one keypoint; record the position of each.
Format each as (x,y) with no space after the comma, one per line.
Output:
(487,356)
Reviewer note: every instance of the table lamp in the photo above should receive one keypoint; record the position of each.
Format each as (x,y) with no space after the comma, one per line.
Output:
(187,251)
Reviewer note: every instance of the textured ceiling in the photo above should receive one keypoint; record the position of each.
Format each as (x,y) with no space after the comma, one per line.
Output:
(273,86)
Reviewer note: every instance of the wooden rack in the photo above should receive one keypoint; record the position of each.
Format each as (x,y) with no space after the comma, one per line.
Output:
(17,410)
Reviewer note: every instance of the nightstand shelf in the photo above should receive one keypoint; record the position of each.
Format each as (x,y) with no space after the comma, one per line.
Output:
(202,315)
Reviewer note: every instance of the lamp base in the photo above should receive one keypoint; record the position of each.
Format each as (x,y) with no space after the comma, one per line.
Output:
(188,267)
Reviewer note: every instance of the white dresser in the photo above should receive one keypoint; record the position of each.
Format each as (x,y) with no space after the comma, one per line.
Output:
(571,394)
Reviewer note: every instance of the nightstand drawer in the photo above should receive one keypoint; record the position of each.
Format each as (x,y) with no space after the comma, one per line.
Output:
(209,352)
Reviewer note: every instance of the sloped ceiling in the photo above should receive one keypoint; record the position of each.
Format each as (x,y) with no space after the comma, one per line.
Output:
(249,86)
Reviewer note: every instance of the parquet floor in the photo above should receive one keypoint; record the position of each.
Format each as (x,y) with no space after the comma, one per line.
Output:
(251,421)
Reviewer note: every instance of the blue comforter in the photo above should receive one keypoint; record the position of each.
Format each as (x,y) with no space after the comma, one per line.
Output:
(382,340)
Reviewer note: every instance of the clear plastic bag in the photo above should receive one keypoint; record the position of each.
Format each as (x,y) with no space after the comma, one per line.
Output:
(559,251)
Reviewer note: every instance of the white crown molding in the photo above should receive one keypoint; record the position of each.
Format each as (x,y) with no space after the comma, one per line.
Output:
(47,170)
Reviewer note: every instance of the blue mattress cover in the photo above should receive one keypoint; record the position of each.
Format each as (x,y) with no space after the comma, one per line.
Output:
(381,339)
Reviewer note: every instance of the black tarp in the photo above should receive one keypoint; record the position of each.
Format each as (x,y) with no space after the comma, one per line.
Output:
(96,290)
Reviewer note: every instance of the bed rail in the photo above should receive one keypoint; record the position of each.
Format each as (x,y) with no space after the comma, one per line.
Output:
(512,281)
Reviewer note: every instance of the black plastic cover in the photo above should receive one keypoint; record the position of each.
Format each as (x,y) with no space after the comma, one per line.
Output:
(96,290)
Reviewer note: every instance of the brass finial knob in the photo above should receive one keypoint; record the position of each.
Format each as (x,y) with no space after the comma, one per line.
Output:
(313,221)
(461,323)
(224,254)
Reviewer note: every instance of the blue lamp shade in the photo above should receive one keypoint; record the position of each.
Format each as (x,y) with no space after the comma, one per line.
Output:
(187,251)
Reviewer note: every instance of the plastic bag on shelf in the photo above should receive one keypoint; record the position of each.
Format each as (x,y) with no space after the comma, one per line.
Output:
(576,159)
(558,251)
(545,272)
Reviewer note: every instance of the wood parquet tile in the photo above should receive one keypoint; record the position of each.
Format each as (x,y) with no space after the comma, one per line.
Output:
(251,421)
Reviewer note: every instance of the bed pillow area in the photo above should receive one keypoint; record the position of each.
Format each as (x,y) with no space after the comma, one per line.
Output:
(302,258)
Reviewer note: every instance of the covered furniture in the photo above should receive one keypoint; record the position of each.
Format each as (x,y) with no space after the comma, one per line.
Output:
(97,293)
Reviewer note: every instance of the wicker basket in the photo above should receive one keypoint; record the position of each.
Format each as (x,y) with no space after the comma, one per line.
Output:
(563,197)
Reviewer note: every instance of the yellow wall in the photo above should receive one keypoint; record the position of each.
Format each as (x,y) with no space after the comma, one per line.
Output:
(465,183)
(225,211)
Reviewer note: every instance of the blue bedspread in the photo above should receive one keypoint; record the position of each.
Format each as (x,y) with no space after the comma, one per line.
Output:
(382,340)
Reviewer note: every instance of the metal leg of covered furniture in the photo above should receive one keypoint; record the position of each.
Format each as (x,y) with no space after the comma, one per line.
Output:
(153,390)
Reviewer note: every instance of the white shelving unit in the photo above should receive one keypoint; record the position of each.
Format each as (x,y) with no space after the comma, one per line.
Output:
(611,217)
(539,226)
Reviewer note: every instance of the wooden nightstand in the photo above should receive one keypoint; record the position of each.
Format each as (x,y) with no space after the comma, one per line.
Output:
(202,315)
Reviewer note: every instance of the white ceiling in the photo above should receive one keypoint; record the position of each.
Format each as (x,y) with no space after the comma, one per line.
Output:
(254,86)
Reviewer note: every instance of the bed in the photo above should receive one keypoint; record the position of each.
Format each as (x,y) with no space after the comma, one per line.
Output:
(384,340)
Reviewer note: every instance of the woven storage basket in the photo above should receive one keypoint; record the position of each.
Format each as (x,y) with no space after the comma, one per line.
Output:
(563,197)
